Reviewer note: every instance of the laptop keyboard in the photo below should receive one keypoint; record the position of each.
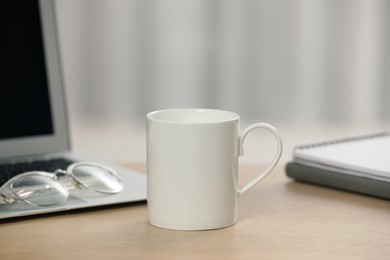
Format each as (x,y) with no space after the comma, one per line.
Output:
(7,171)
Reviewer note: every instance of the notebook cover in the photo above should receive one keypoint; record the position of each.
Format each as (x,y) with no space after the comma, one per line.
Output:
(337,180)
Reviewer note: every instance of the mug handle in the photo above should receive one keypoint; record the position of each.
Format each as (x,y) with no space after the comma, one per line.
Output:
(274,161)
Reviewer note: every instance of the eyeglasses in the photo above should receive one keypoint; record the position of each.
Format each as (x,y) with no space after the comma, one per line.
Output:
(39,188)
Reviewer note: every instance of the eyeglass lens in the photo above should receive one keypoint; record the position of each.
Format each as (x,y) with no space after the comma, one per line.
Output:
(97,178)
(39,190)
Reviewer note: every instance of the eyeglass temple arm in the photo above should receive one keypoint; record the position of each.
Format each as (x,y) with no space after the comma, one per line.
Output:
(6,198)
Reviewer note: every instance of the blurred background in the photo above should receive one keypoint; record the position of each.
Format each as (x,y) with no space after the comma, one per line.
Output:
(315,69)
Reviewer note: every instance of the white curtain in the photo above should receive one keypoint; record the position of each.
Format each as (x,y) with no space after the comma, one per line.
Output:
(303,59)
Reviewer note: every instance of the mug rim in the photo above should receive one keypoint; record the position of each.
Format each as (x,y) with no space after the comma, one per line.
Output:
(222,117)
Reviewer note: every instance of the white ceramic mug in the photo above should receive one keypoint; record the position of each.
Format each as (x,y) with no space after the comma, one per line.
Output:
(192,167)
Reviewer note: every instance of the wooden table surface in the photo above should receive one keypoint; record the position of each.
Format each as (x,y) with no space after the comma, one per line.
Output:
(278,219)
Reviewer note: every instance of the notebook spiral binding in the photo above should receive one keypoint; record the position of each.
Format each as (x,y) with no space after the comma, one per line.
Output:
(343,140)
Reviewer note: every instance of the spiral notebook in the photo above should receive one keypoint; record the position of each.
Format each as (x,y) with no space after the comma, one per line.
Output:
(360,164)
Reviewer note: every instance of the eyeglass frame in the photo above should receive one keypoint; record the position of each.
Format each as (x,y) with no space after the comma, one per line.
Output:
(9,196)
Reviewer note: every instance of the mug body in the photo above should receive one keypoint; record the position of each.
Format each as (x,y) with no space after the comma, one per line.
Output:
(192,168)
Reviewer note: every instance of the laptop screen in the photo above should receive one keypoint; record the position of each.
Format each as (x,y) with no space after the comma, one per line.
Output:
(24,94)
(32,99)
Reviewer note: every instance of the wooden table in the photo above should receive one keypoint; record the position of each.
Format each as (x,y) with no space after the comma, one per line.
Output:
(278,219)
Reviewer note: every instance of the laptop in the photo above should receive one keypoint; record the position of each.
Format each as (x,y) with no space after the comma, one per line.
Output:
(34,128)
